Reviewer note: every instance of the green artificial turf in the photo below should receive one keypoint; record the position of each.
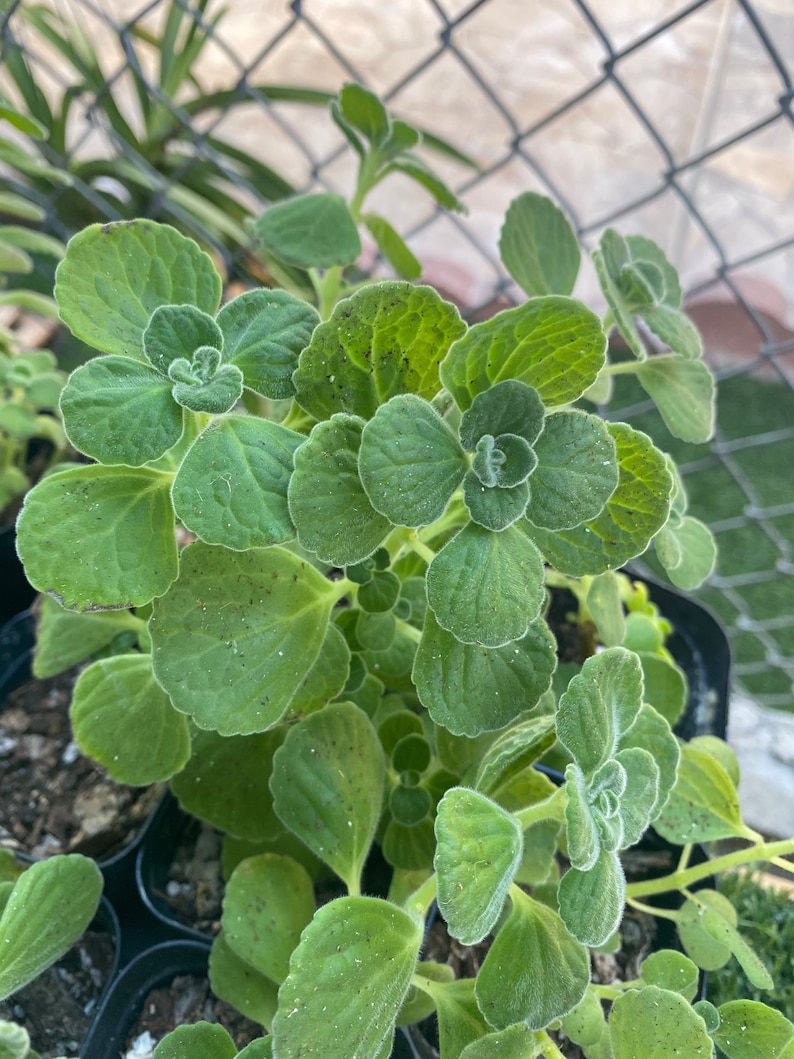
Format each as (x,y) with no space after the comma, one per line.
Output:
(723,490)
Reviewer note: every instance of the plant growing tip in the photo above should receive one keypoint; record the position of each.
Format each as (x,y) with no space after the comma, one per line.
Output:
(354,651)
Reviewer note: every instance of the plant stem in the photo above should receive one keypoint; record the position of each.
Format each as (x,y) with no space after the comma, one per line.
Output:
(420,900)
(553,808)
(680,880)
(623,367)
(548,1047)
(661,913)
(327,286)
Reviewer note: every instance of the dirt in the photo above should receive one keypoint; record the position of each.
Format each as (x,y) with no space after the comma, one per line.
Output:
(56,800)
(195,885)
(185,1000)
(58,1007)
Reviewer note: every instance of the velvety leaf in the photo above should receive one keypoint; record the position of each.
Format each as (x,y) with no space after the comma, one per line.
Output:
(478,850)
(509,407)
(512,751)
(226,783)
(376,632)
(516,1042)
(99,537)
(656,1024)
(582,828)
(385,339)
(538,247)
(237,634)
(118,410)
(268,901)
(231,487)
(486,588)
(459,1018)
(326,678)
(264,332)
(651,731)
(591,902)
(410,805)
(348,979)
(675,329)
(205,385)
(606,608)
(200,1040)
(115,275)
(722,751)
(236,982)
(684,393)
(64,638)
(409,848)
(365,112)
(687,551)
(749,1029)
(469,688)
(671,970)
(601,703)
(665,686)
(554,344)
(410,462)
(510,988)
(641,795)
(380,593)
(393,247)
(14,1042)
(494,508)
(643,249)
(417,169)
(703,805)
(577,471)
(176,331)
(310,231)
(331,511)
(608,259)
(636,510)
(716,923)
(327,785)
(586,1024)
(261,1048)
(124,720)
(52,903)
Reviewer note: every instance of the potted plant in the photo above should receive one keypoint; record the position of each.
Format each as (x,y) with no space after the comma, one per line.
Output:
(353,651)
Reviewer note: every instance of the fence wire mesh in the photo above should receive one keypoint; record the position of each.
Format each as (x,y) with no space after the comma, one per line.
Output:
(675,124)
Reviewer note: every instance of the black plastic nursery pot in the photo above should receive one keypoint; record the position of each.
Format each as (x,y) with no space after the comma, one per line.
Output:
(17,592)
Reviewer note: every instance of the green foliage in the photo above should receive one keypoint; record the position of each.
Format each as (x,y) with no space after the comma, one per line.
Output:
(354,653)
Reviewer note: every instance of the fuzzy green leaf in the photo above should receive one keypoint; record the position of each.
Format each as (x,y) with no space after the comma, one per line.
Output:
(112,544)
(365,112)
(671,970)
(264,332)
(657,1024)
(268,901)
(512,752)
(701,928)
(410,462)
(116,700)
(348,979)
(114,276)
(231,488)
(516,1042)
(177,331)
(326,678)
(538,247)
(684,393)
(601,703)
(14,1042)
(64,638)
(636,510)
(577,471)
(469,688)
(651,731)
(310,231)
(665,686)
(675,329)
(393,247)
(327,786)
(478,851)
(582,828)
(237,634)
(688,552)
(749,1029)
(236,982)
(226,783)
(50,906)
(385,339)
(331,511)
(508,407)
(199,1040)
(494,508)
(205,385)
(591,902)
(118,410)
(606,608)
(486,588)
(510,988)
(703,806)
(641,794)
(554,344)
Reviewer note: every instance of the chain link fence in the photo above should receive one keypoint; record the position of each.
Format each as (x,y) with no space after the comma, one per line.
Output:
(673,124)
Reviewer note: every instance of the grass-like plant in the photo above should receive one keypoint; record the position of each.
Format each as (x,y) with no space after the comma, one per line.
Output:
(354,650)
